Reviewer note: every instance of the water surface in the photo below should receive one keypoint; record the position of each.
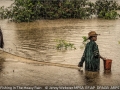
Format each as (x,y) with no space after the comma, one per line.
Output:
(37,40)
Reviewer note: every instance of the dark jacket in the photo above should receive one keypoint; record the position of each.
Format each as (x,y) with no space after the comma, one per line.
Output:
(91,57)
(1,39)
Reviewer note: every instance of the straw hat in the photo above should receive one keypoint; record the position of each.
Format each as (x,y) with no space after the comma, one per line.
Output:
(92,33)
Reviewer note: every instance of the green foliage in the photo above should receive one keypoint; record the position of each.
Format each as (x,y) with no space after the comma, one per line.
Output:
(30,10)
(1,12)
(106,9)
(23,10)
(119,42)
(85,40)
(108,15)
(118,7)
(111,15)
(64,45)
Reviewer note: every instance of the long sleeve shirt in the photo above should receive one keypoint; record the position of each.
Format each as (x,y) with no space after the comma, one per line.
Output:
(91,57)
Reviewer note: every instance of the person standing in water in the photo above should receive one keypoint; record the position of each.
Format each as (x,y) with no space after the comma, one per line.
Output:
(91,54)
(1,39)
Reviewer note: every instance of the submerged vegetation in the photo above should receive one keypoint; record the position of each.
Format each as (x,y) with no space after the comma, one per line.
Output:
(30,10)
(64,45)
(85,40)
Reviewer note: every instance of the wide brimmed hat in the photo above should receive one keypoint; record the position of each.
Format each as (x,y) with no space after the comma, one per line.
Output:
(92,33)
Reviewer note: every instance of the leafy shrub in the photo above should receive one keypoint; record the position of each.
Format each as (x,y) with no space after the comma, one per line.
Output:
(106,9)
(64,45)
(30,10)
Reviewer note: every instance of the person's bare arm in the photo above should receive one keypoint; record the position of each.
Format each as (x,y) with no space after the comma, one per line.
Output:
(102,58)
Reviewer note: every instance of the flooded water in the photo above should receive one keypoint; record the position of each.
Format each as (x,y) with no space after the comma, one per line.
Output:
(37,40)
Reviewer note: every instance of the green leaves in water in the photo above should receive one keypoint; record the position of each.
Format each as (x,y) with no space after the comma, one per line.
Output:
(119,42)
(85,40)
(64,45)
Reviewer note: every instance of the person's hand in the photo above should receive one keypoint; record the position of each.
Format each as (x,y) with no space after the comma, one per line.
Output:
(81,69)
(103,58)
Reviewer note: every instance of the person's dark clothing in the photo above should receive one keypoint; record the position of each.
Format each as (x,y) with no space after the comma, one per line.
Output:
(91,57)
(1,40)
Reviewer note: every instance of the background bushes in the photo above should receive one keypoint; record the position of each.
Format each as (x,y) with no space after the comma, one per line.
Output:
(30,10)
(106,9)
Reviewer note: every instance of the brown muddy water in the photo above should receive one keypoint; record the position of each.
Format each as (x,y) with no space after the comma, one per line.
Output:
(37,41)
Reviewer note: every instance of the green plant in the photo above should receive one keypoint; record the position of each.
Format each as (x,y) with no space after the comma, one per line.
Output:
(22,10)
(85,40)
(106,9)
(64,45)
(30,10)
(111,15)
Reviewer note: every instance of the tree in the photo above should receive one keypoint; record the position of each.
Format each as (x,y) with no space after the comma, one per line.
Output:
(106,9)
(30,10)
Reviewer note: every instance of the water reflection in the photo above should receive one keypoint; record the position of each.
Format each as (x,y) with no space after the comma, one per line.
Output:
(40,41)
(33,43)
(1,63)
(91,78)
(108,72)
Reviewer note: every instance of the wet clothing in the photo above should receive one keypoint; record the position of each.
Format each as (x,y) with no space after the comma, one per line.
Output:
(91,57)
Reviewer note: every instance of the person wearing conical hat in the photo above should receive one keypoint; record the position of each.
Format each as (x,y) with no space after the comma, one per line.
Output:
(91,55)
